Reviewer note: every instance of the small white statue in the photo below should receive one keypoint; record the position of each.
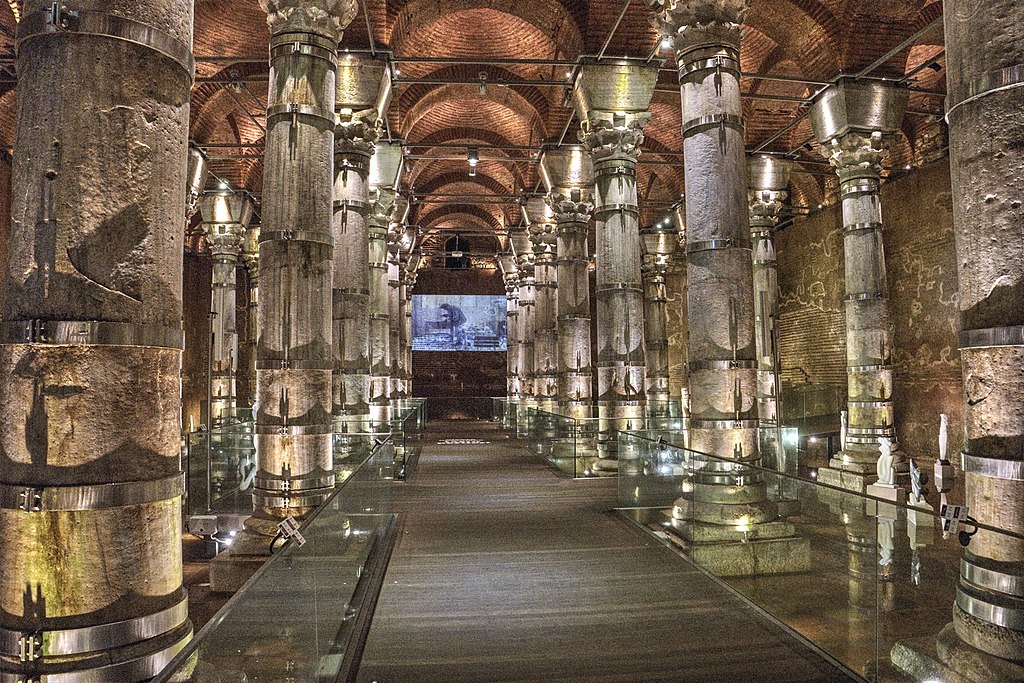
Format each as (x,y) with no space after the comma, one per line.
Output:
(886,542)
(886,468)
(915,482)
(943,435)
(844,418)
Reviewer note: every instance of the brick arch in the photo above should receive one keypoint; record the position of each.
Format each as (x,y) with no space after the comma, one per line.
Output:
(433,217)
(463,106)
(456,178)
(537,28)
(806,30)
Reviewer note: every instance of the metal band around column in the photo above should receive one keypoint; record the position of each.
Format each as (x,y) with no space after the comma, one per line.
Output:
(723,121)
(300,109)
(861,186)
(865,296)
(280,48)
(1009,615)
(616,208)
(973,571)
(723,424)
(993,336)
(357,205)
(294,430)
(35,645)
(862,227)
(723,365)
(293,364)
(90,333)
(306,500)
(90,496)
(719,245)
(57,20)
(296,236)
(719,62)
(873,403)
(990,83)
(867,368)
(1012,470)
(295,484)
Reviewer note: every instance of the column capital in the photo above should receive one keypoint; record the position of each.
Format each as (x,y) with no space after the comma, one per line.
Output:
(324,17)
(356,136)
(573,209)
(226,239)
(608,135)
(673,18)
(856,154)
(766,205)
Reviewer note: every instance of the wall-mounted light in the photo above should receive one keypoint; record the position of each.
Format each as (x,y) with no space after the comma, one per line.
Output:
(473,156)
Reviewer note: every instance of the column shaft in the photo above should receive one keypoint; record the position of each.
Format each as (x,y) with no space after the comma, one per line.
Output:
(678,361)
(575,366)
(984,40)
(395,323)
(527,326)
(545,347)
(512,333)
(90,346)
(294,352)
(380,329)
(224,363)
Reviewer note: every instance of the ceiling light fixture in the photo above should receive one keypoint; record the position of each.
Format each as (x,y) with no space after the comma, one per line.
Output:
(473,156)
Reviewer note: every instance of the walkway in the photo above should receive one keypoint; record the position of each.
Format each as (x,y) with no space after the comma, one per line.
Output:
(506,571)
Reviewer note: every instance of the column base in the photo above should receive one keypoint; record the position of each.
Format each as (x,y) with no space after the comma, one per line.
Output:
(947,659)
(857,476)
(761,549)
(605,467)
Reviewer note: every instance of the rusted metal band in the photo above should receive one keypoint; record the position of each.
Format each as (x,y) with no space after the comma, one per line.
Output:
(28,498)
(992,337)
(90,333)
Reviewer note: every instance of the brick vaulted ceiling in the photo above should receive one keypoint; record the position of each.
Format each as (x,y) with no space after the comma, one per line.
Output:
(807,42)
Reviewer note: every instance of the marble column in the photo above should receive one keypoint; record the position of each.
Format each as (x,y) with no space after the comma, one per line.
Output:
(410,275)
(613,118)
(385,169)
(91,342)
(251,256)
(768,183)
(396,257)
(675,288)
(294,363)
(985,77)
(726,502)
(853,121)
(363,87)
(197,175)
(510,275)
(226,217)
(527,310)
(659,243)
(545,340)
(568,175)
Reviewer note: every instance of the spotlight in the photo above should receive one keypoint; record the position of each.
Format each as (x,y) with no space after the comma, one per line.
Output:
(473,156)
(935,66)
(225,185)
(666,43)
(908,167)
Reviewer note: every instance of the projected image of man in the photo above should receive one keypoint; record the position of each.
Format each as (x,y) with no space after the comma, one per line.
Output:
(455,319)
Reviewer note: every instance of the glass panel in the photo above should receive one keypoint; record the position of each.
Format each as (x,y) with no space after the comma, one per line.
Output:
(293,620)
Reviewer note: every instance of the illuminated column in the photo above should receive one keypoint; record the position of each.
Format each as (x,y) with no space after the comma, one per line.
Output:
(401,320)
(527,310)
(396,236)
(675,288)
(411,274)
(226,217)
(613,119)
(510,273)
(91,341)
(659,243)
(385,169)
(362,93)
(545,344)
(983,39)
(568,174)
(852,121)
(295,465)
(251,256)
(768,180)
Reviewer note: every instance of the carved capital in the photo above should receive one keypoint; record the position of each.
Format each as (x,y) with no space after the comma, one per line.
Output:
(570,209)
(673,18)
(619,136)
(766,205)
(252,264)
(226,240)
(324,17)
(382,201)
(856,154)
(356,136)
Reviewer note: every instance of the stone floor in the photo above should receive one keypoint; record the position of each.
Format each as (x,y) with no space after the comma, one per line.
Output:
(507,571)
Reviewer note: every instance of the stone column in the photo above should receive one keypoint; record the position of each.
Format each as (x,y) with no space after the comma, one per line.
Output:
(396,237)
(363,88)
(545,340)
(568,174)
(198,173)
(613,121)
(226,216)
(294,349)
(852,121)
(251,256)
(91,341)
(527,311)
(659,243)
(410,275)
(510,274)
(675,287)
(726,502)
(768,182)
(983,42)
(385,169)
